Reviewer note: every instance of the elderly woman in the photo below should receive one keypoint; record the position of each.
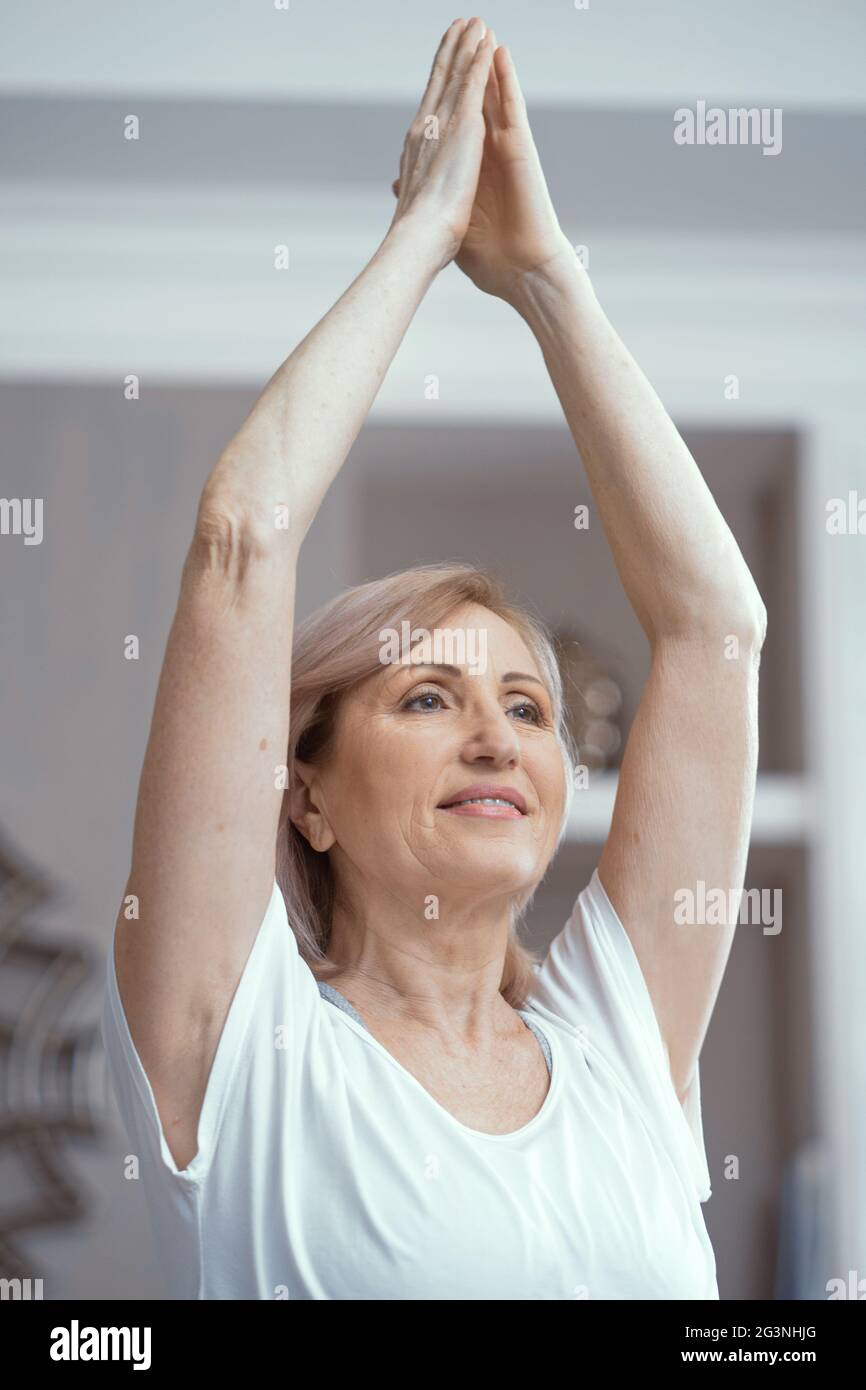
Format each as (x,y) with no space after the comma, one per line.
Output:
(343,1075)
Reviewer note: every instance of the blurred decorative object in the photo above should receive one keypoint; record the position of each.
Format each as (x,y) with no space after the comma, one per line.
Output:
(45,1064)
(594,702)
(801,1266)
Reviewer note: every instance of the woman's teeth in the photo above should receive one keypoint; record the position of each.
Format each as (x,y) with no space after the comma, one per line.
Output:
(483,801)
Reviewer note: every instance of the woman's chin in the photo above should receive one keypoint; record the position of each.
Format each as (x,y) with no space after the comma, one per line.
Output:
(495,867)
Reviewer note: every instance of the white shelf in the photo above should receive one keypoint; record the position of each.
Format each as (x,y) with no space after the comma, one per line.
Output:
(783,815)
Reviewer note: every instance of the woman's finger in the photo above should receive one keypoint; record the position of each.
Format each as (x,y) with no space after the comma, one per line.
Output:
(472,88)
(492,113)
(441,67)
(461,67)
(512,102)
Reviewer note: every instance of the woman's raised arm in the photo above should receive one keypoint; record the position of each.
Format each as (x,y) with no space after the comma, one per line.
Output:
(684,799)
(204,844)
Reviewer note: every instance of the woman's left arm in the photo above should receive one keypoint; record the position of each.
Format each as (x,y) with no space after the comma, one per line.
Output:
(684,801)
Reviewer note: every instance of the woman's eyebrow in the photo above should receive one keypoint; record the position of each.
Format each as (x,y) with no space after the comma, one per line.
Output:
(522,676)
(456,672)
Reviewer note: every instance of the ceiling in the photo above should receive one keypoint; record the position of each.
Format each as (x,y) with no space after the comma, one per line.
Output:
(798,54)
(262,126)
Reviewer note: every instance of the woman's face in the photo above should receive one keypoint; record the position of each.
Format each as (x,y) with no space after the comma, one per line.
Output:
(414,739)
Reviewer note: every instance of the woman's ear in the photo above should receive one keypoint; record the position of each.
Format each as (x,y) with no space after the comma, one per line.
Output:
(306,807)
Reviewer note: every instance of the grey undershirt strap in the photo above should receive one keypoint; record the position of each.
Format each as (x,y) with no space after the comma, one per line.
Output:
(542,1042)
(335,997)
(341,1002)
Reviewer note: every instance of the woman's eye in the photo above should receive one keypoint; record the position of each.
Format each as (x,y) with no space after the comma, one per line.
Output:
(429,700)
(534,711)
(413,701)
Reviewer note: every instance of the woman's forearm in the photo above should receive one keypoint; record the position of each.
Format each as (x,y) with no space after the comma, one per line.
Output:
(295,439)
(679,563)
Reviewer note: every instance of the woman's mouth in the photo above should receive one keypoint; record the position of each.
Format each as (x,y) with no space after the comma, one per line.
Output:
(490,810)
(490,803)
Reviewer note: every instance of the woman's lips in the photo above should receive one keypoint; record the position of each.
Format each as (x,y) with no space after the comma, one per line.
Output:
(486,812)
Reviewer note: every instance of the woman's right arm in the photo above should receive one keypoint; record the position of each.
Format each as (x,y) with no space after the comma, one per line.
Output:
(204,843)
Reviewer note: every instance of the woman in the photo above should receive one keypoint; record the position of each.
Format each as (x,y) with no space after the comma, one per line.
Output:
(343,1075)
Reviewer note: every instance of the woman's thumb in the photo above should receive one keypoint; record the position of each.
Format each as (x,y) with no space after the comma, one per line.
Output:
(395,188)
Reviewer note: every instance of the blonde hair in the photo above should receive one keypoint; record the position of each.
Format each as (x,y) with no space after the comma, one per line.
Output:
(333,650)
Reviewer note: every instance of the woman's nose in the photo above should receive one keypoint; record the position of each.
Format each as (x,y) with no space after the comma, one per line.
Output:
(492,735)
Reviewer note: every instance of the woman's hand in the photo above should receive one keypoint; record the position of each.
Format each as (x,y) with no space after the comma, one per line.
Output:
(442,151)
(513,229)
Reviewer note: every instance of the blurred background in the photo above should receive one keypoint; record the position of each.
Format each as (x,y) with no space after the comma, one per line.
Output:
(143,312)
